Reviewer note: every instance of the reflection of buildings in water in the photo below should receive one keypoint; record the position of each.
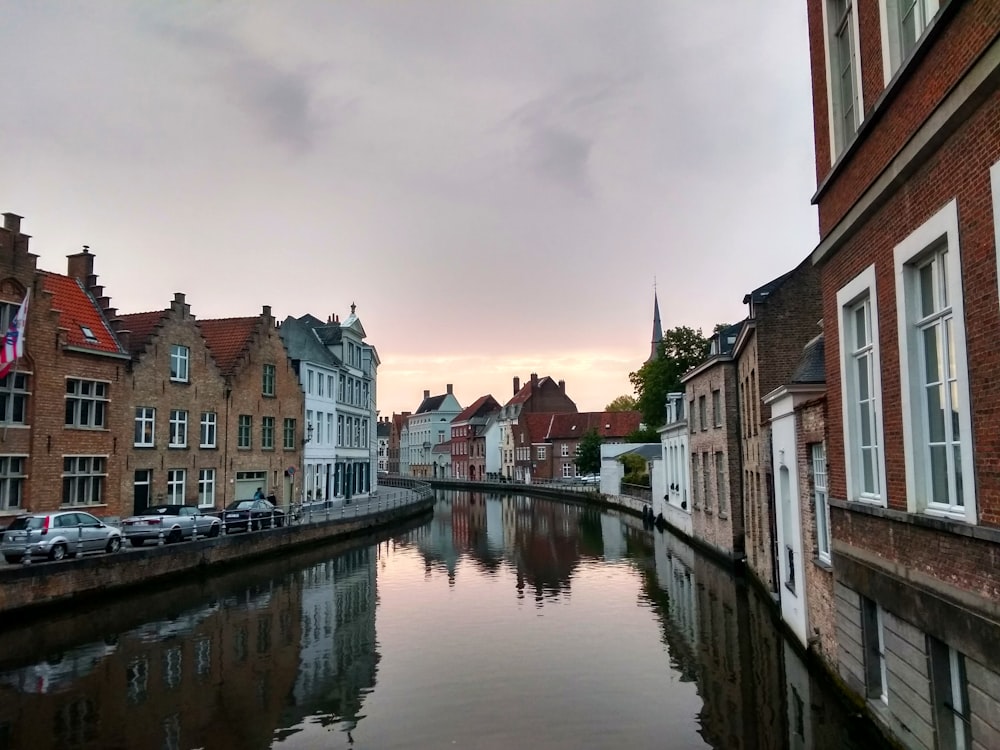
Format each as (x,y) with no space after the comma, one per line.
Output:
(337,659)
(210,680)
(674,565)
(58,672)
(495,525)
(613,537)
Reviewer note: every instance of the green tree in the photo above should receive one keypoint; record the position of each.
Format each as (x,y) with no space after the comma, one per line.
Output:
(588,453)
(643,435)
(622,403)
(635,469)
(682,348)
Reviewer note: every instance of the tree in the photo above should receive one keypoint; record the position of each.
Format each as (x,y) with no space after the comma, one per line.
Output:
(588,453)
(622,403)
(643,435)
(682,348)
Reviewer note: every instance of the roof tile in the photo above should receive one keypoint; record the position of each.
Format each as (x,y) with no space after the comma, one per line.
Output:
(78,310)
(227,339)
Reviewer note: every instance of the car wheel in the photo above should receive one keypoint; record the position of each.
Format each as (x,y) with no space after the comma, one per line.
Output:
(58,552)
(175,536)
(12,558)
(137,542)
(114,544)
(214,531)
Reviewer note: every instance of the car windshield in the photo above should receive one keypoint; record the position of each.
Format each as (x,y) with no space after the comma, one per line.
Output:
(26,522)
(241,505)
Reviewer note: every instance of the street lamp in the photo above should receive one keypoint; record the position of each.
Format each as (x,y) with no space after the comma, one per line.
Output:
(309,433)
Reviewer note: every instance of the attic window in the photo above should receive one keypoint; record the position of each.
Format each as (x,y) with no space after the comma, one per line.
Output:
(88,334)
(573,427)
(607,427)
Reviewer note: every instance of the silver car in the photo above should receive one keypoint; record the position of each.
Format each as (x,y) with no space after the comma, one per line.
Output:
(56,535)
(174,522)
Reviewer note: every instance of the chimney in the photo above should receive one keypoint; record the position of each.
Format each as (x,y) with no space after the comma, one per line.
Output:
(81,267)
(517,385)
(12,222)
(449,387)
(427,394)
(534,379)
(406,413)
(562,386)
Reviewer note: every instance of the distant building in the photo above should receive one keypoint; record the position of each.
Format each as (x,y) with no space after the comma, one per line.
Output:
(384,432)
(538,395)
(468,441)
(675,502)
(428,427)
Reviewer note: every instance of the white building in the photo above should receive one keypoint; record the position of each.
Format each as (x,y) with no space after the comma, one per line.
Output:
(674,501)
(428,427)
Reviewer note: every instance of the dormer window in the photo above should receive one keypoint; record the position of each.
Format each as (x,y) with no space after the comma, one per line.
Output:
(88,334)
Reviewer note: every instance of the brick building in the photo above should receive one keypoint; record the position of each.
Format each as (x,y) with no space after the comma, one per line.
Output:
(781,319)
(906,105)
(398,425)
(468,442)
(171,396)
(538,395)
(713,422)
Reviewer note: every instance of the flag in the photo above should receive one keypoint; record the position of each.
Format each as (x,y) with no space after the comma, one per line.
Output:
(13,340)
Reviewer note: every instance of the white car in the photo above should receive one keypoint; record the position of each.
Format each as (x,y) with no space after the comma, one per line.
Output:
(174,522)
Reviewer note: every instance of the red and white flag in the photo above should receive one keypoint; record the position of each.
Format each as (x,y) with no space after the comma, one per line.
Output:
(13,340)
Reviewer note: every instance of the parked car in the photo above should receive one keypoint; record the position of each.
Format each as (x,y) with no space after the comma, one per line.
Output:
(57,535)
(175,522)
(255,514)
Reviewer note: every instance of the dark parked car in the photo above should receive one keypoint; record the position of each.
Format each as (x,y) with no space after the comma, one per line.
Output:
(255,514)
(175,522)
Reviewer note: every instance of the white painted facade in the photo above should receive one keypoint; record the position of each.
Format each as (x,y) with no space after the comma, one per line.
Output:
(674,499)
(492,436)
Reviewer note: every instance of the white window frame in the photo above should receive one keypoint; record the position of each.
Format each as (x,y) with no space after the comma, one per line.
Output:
(145,415)
(178,429)
(889,20)
(180,363)
(821,502)
(87,396)
(860,287)
(567,470)
(206,488)
(995,189)
(14,400)
(209,430)
(267,428)
(833,91)
(176,481)
(938,232)
(269,380)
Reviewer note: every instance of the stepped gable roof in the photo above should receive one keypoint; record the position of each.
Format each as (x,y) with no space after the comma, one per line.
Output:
(78,311)
(811,367)
(227,339)
(609,424)
(527,390)
(482,406)
(431,403)
(141,327)
(536,425)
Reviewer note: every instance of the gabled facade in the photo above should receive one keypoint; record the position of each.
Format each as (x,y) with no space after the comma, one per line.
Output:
(906,100)
(713,439)
(383,430)
(173,392)
(259,417)
(396,452)
(59,408)
(468,444)
(428,427)
(781,319)
(538,395)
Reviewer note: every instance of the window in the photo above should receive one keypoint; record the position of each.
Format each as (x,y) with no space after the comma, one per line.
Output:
(903,23)
(289,434)
(175,486)
(243,429)
(691,416)
(13,400)
(83,480)
(209,425)
(540,453)
(267,433)
(702,413)
(717,408)
(695,485)
(329,429)
(844,87)
(145,426)
(319,383)
(309,381)
(952,718)
(178,429)
(86,403)
(11,482)
(180,357)
(704,481)
(861,389)
(937,425)
(267,384)
(206,487)
(720,482)
(873,643)
(822,507)
(567,470)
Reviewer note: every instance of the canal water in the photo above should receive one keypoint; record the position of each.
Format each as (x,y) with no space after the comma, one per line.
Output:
(501,622)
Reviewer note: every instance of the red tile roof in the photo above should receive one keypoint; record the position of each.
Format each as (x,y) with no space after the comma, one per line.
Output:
(227,339)
(536,426)
(77,309)
(141,327)
(485,404)
(609,424)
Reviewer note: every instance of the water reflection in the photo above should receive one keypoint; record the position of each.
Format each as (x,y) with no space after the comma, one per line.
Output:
(417,641)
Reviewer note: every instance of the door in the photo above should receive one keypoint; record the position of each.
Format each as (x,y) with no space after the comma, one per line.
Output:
(141,491)
(94,536)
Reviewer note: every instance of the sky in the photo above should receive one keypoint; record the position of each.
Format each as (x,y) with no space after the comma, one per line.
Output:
(496,185)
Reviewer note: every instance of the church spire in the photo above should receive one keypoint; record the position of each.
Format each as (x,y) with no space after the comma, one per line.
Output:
(657,330)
